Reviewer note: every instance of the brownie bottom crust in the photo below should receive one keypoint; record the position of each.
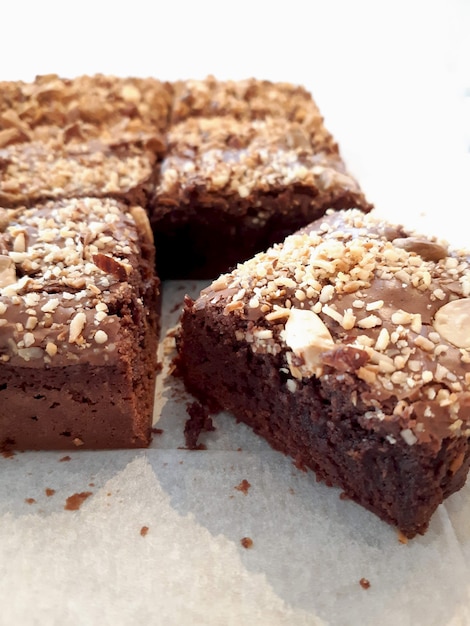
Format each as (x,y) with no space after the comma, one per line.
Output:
(319,427)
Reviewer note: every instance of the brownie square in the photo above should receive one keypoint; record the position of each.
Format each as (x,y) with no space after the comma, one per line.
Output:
(78,326)
(228,188)
(346,347)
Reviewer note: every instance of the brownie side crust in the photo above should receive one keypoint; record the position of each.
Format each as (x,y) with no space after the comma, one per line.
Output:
(345,348)
(78,326)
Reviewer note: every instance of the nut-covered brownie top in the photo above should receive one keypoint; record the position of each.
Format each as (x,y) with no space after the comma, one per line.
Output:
(83,108)
(240,159)
(106,136)
(36,171)
(243,99)
(68,273)
(355,295)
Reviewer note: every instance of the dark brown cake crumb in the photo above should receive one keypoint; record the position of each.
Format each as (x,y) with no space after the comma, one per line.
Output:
(247,542)
(49,492)
(65,458)
(74,502)
(243,486)
(157,431)
(199,421)
(365,584)
(30,501)
(144,530)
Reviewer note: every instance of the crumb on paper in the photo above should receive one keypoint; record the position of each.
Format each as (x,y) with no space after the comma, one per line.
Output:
(65,458)
(144,530)
(157,431)
(365,584)
(49,492)
(74,502)
(243,486)
(402,538)
(30,501)
(247,542)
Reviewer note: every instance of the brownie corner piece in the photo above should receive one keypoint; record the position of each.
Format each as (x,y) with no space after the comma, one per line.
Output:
(78,326)
(345,347)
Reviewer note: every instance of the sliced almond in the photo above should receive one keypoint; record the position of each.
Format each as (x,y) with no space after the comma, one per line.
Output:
(307,336)
(428,250)
(452,321)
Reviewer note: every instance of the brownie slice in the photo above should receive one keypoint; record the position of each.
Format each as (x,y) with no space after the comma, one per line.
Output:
(78,325)
(228,188)
(346,347)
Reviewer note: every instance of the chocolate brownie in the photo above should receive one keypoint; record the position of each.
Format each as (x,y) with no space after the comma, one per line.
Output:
(346,346)
(78,325)
(229,188)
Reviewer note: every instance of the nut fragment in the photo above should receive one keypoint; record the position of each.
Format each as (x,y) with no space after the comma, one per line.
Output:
(76,326)
(11,135)
(452,321)
(307,336)
(428,250)
(7,271)
(110,266)
(142,222)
